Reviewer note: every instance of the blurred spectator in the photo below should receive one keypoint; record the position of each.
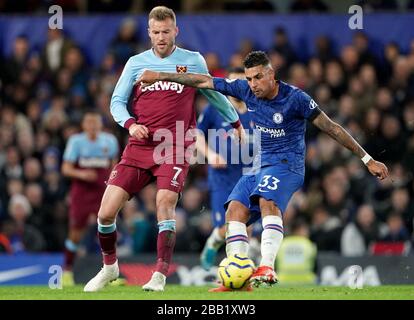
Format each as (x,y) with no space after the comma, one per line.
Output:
(390,144)
(350,60)
(126,43)
(282,46)
(402,205)
(139,227)
(23,237)
(361,44)
(324,49)
(214,65)
(335,79)
(14,64)
(298,76)
(325,230)
(396,231)
(55,49)
(391,54)
(192,201)
(32,170)
(296,259)
(336,201)
(359,234)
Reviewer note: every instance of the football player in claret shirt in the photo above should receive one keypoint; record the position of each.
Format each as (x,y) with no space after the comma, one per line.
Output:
(163,108)
(88,159)
(279,112)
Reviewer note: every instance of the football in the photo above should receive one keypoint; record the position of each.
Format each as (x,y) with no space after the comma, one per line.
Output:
(235,271)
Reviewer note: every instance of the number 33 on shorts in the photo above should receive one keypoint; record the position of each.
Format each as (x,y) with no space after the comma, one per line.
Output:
(268,182)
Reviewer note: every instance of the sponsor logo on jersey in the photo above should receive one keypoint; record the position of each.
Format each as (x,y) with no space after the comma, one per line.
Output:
(164,86)
(181,69)
(274,133)
(278,118)
(94,162)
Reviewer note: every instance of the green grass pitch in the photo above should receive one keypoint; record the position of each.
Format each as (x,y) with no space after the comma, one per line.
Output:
(176,292)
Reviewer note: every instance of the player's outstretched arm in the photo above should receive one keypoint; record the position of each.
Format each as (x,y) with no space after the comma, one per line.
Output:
(337,132)
(196,80)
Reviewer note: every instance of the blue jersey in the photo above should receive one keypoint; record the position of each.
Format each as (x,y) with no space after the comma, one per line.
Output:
(220,179)
(281,121)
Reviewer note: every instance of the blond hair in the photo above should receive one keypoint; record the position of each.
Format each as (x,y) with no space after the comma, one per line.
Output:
(161,13)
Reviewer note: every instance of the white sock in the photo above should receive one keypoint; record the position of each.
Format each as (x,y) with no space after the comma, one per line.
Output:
(272,237)
(237,241)
(215,241)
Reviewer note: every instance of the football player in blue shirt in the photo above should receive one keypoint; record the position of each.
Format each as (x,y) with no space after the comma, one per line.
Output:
(279,112)
(226,162)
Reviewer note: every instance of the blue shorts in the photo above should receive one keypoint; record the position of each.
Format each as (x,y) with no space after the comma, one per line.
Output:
(276,183)
(218,213)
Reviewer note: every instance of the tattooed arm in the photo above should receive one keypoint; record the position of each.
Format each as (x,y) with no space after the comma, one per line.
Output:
(195,80)
(337,132)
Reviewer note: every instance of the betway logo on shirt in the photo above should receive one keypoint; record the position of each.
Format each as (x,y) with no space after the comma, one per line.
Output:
(274,133)
(94,162)
(163,86)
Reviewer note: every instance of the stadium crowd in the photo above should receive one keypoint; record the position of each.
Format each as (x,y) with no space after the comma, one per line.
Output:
(44,94)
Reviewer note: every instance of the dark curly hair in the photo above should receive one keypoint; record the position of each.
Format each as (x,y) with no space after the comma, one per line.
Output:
(256,58)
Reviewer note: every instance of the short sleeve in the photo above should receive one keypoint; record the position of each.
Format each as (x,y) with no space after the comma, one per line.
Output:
(306,107)
(236,88)
(71,153)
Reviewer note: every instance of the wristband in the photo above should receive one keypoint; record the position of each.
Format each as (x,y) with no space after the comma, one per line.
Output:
(365,159)
(236,124)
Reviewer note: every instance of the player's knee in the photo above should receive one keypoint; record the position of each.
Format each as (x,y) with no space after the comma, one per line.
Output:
(166,202)
(106,216)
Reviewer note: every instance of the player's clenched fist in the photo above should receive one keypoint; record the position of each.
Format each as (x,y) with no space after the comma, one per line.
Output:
(138,131)
(148,77)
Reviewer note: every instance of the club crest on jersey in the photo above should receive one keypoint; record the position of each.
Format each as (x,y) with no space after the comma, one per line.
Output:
(181,69)
(278,118)
(113,174)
